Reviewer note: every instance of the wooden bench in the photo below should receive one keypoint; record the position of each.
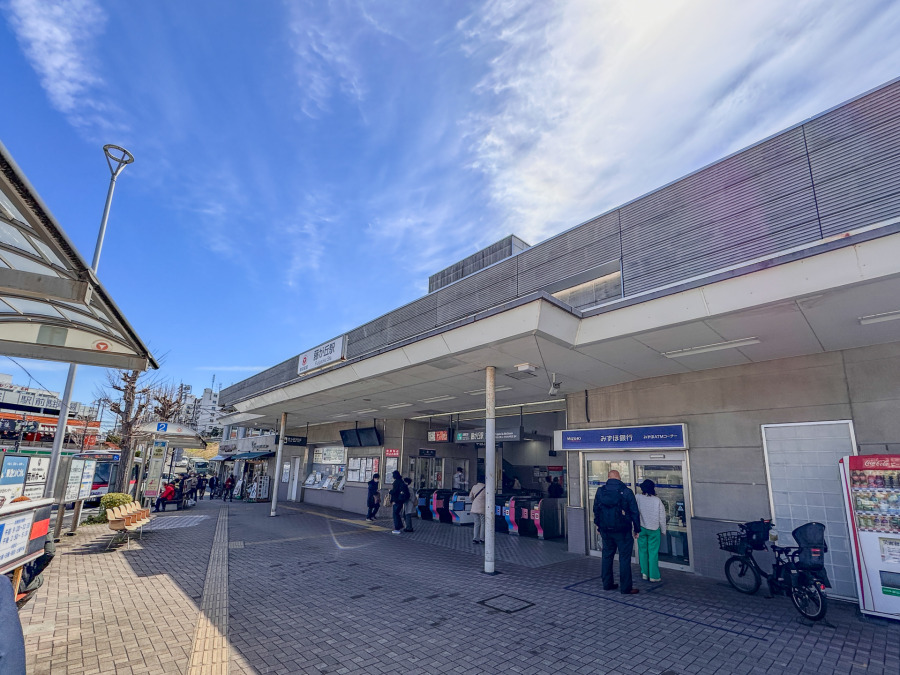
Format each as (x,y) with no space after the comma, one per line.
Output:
(127,519)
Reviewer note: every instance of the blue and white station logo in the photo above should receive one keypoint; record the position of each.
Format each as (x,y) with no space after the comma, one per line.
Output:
(663,436)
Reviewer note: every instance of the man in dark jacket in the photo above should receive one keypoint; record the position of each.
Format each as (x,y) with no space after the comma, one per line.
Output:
(373,501)
(555,491)
(399,496)
(618,520)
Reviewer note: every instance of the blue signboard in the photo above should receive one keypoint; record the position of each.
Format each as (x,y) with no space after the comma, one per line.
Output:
(660,437)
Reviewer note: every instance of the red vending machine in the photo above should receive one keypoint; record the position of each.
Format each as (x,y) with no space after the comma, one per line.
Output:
(872,496)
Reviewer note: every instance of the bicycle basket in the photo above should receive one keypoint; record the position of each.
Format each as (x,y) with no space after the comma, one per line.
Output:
(735,542)
(811,541)
(758,534)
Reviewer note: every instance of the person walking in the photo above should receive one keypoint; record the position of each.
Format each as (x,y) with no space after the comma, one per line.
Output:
(399,496)
(201,486)
(213,484)
(555,491)
(228,492)
(616,515)
(653,526)
(409,508)
(373,501)
(477,496)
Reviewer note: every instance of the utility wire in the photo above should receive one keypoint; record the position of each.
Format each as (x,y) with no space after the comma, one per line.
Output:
(28,373)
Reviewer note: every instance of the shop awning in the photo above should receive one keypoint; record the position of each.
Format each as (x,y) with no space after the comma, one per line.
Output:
(221,458)
(253,455)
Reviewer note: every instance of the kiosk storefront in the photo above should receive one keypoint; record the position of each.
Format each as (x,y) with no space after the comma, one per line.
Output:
(637,453)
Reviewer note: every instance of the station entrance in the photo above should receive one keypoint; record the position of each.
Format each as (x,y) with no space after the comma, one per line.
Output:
(669,471)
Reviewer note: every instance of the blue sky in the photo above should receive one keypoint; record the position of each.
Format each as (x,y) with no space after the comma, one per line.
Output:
(303,166)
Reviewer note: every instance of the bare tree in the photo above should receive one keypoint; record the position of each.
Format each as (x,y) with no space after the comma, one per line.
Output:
(167,400)
(130,405)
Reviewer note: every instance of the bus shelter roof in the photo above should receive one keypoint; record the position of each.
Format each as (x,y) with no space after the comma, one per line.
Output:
(52,306)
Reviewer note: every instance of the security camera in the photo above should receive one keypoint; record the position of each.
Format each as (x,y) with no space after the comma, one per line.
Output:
(554,386)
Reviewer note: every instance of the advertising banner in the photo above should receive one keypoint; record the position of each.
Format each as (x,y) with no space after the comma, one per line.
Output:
(12,478)
(87,479)
(15,531)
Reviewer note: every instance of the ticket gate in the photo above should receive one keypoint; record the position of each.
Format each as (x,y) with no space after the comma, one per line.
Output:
(501,513)
(440,505)
(522,512)
(423,505)
(551,518)
(460,509)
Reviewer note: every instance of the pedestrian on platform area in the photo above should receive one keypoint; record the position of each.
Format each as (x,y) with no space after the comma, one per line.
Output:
(12,641)
(373,501)
(167,494)
(201,486)
(399,496)
(477,496)
(409,508)
(459,479)
(213,484)
(653,526)
(555,491)
(616,515)
(228,492)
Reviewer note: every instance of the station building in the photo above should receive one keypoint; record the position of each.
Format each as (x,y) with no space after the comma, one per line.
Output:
(730,335)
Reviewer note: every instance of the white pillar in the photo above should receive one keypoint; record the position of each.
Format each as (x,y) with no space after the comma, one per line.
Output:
(276,479)
(61,424)
(490,478)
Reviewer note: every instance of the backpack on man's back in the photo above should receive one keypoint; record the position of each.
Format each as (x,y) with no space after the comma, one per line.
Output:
(609,509)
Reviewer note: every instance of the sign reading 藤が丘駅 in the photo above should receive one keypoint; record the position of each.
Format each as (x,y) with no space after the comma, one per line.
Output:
(330,352)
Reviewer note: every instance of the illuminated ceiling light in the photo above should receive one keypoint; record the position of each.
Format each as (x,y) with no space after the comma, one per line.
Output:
(731,344)
(878,318)
(436,399)
(476,392)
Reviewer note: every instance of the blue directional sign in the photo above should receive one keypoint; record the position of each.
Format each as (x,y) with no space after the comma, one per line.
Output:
(663,436)
(162,426)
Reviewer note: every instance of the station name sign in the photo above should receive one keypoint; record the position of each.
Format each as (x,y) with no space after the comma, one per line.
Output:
(479,435)
(323,355)
(664,436)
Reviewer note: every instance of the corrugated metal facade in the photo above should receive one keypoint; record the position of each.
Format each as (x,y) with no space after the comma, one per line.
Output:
(837,172)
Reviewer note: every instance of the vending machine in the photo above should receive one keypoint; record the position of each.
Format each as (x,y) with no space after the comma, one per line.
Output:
(872,496)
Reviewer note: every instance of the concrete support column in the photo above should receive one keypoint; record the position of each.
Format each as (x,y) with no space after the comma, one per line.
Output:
(276,479)
(490,461)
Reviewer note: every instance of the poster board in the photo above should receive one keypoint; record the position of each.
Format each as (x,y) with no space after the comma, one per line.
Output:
(155,469)
(15,531)
(87,479)
(12,478)
(73,481)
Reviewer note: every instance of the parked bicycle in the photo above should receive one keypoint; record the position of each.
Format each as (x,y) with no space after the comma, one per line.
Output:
(798,571)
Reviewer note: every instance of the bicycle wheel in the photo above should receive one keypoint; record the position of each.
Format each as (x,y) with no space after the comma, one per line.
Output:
(810,601)
(742,575)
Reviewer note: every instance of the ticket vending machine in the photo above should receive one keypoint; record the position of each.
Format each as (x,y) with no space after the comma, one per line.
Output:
(872,498)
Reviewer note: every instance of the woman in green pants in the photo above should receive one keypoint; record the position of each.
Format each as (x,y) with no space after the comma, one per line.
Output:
(653,525)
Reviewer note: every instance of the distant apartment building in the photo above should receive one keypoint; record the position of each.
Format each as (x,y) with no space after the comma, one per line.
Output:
(206,411)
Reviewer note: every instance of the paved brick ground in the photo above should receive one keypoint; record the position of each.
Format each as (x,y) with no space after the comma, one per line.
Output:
(314,591)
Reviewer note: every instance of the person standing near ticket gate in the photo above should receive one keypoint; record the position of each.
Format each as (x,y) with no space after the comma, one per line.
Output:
(459,479)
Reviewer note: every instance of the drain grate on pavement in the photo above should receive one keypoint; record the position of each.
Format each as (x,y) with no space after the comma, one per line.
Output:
(506,603)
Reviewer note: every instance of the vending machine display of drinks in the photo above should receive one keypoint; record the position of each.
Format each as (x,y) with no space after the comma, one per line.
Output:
(872,496)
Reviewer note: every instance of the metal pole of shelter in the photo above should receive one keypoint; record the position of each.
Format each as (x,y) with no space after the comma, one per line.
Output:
(117,158)
(490,478)
(276,479)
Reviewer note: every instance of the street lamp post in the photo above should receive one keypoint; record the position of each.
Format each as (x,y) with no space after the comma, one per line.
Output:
(117,158)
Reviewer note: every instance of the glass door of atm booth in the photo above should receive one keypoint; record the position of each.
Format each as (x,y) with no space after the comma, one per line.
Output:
(669,472)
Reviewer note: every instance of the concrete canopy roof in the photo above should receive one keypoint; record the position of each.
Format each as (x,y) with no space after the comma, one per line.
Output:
(823,302)
(52,306)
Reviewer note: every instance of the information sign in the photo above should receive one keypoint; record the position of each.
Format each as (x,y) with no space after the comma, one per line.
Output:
(73,482)
(155,469)
(439,436)
(87,479)
(334,455)
(426,453)
(15,531)
(294,440)
(286,472)
(392,452)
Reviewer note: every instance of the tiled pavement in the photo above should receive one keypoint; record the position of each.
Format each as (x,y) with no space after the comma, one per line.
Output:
(316,591)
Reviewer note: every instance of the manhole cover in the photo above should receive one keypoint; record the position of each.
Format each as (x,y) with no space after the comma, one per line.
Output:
(506,603)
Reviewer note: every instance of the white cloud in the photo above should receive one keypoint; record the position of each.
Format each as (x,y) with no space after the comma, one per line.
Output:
(57,37)
(589,104)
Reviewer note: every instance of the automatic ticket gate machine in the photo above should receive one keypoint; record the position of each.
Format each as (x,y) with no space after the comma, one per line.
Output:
(522,511)
(460,508)
(501,512)
(440,505)
(423,504)
(551,518)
